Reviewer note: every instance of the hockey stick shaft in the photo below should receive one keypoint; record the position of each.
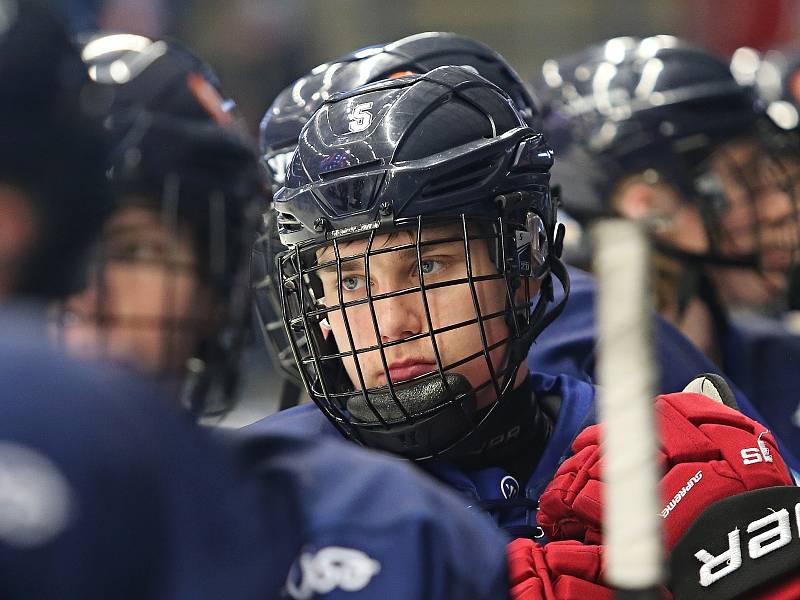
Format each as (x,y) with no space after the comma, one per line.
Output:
(626,373)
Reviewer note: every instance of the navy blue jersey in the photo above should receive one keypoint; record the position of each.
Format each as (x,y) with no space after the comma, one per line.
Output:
(569,343)
(107,491)
(511,503)
(763,359)
(372,526)
(763,372)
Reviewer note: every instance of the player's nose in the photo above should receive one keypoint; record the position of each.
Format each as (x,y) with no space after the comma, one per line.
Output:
(399,317)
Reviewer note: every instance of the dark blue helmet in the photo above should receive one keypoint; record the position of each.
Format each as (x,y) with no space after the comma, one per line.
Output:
(671,113)
(629,105)
(139,73)
(295,105)
(410,155)
(418,53)
(178,151)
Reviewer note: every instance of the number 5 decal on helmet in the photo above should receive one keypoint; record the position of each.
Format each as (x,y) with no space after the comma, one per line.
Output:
(360,117)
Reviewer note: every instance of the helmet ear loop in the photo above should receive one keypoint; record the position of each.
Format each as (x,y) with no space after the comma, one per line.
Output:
(517,315)
(476,306)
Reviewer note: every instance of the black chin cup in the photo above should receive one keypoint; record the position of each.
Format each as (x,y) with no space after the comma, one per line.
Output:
(438,413)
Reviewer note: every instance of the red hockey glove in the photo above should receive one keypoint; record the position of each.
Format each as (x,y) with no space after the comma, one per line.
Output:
(558,571)
(708,452)
(723,478)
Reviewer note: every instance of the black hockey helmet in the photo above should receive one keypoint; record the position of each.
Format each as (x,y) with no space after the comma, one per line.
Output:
(629,105)
(418,53)
(410,155)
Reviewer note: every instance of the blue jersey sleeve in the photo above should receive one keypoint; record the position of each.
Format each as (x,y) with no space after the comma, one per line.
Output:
(763,370)
(375,527)
(568,345)
(764,360)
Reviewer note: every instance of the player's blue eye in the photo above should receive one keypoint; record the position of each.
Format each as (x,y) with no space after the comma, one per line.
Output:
(430,267)
(351,283)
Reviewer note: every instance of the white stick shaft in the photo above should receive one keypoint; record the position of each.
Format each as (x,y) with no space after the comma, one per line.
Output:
(626,373)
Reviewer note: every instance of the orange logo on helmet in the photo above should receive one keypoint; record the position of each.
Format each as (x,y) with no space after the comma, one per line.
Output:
(794,86)
(397,74)
(208,98)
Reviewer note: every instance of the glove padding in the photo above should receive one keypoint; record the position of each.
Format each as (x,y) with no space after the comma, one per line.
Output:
(708,452)
(558,571)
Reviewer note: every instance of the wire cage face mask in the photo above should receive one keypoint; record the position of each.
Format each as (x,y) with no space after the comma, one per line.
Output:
(415,328)
(168,295)
(266,295)
(749,191)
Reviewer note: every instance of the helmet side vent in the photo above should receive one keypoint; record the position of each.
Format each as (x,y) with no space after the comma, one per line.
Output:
(459,179)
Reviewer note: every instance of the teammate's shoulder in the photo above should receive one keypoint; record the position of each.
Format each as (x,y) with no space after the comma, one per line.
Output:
(406,534)
(753,329)
(304,419)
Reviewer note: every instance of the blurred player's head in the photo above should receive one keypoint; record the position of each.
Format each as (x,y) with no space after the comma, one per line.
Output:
(421,238)
(775,76)
(294,106)
(52,184)
(660,131)
(167,295)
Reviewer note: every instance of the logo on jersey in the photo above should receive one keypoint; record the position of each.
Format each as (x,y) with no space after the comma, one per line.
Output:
(360,117)
(509,487)
(35,498)
(330,568)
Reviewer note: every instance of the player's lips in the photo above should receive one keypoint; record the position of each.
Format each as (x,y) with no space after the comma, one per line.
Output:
(410,367)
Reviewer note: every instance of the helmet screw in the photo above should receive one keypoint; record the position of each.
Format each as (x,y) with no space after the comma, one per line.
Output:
(385,208)
(319,225)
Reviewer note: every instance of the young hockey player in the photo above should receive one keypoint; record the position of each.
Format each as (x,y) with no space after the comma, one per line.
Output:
(418,270)
(168,295)
(673,140)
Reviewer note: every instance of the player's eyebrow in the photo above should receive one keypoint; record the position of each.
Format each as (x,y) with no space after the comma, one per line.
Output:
(355,263)
(349,265)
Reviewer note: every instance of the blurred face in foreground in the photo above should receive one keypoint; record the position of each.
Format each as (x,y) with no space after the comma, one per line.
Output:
(145,305)
(411,335)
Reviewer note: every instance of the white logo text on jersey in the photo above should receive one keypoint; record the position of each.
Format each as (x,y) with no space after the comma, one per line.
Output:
(329,568)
